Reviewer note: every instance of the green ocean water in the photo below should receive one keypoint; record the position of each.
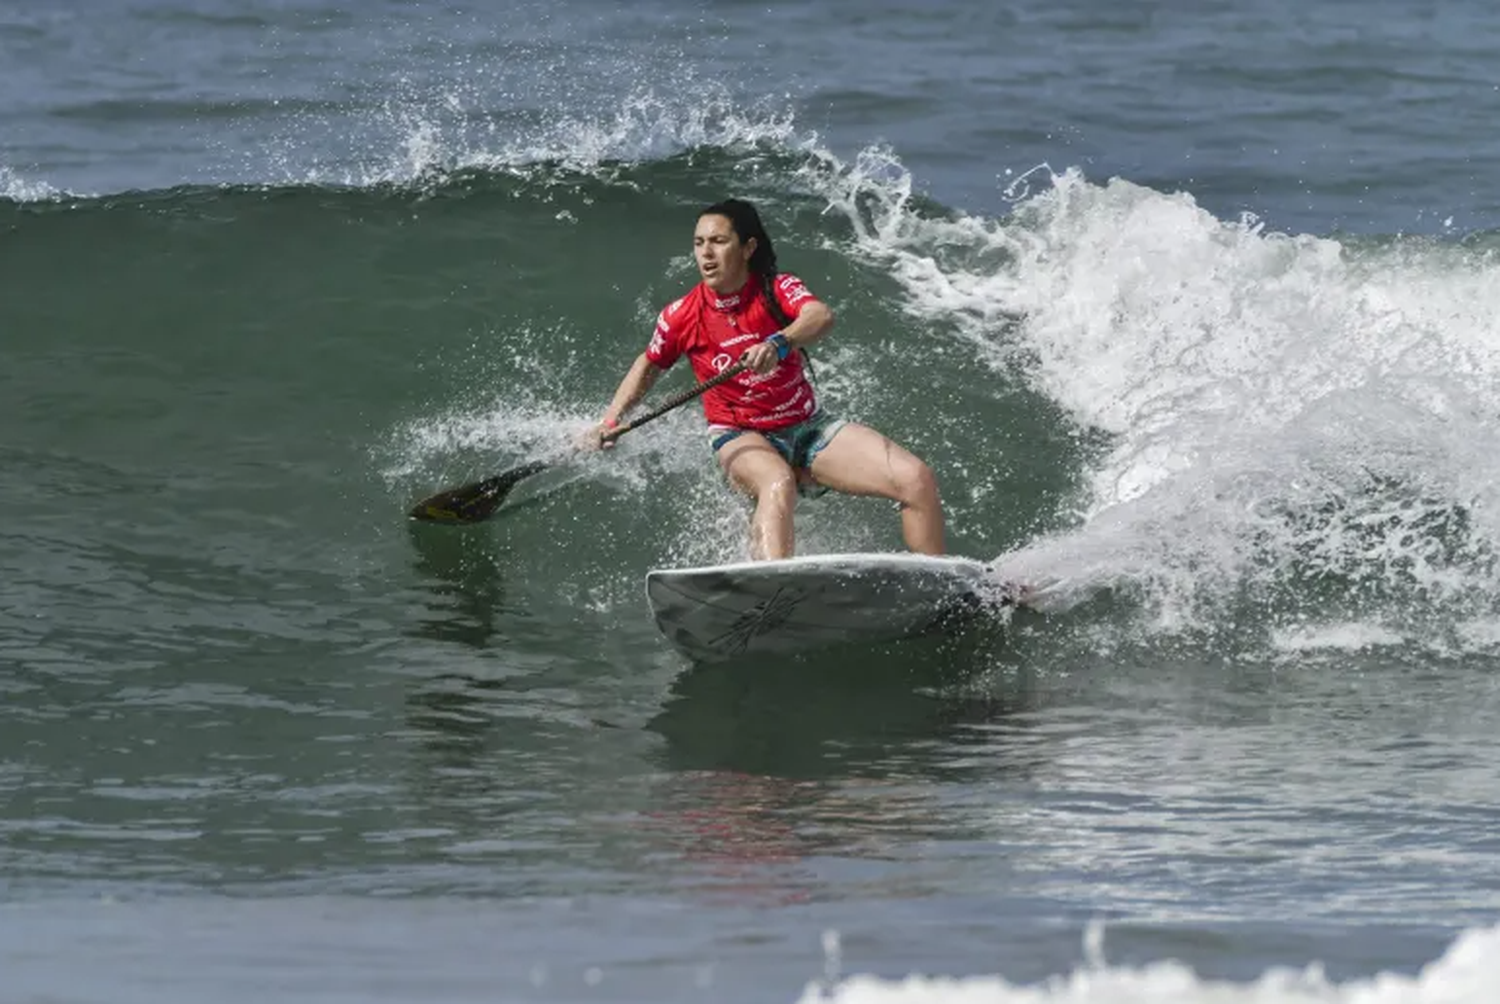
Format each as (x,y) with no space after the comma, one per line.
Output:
(219,402)
(238,684)
(301,362)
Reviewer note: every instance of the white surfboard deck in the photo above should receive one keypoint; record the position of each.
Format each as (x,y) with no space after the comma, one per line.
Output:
(795,604)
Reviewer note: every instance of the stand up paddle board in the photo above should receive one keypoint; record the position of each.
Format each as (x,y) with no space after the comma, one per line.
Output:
(794,604)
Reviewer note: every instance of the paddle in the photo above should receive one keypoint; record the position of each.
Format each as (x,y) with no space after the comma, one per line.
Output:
(473,503)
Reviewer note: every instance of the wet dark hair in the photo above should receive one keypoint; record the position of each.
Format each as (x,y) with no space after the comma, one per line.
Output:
(744,219)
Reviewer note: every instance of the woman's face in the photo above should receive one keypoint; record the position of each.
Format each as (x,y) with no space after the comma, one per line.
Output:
(723,260)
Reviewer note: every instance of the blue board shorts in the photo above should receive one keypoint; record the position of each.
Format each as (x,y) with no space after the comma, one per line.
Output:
(798,444)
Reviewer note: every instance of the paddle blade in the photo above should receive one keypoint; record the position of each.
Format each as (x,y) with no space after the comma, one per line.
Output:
(476,502)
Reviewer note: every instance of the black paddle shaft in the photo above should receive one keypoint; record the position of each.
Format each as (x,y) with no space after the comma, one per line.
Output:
(675,401)
(476,502)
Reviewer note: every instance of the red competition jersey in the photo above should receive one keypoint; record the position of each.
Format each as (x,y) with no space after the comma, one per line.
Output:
(714,331)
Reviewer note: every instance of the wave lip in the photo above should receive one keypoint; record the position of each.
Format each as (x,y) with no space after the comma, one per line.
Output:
(18,189)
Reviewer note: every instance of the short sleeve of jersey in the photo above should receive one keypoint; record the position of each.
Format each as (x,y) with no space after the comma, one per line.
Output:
(792,294)
(666,340)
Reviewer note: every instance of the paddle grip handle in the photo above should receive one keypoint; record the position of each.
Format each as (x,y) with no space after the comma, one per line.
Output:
(675,401)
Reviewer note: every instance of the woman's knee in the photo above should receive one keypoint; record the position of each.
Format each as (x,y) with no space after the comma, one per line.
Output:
(779,491)
(916,485)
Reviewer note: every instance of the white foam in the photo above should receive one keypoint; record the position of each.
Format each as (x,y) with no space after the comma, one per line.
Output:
(1467,973)
(18,189)
(419,138)
(647,126)
(1342,637)
(1155,321)
(1277,406)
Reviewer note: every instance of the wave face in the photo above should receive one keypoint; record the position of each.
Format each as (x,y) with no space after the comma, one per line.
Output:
(1221,423)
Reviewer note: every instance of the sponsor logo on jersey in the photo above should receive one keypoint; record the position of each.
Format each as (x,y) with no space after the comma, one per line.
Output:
(793,289)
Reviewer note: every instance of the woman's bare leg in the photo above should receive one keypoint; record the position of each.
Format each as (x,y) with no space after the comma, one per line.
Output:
(755,468)
(860,461)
